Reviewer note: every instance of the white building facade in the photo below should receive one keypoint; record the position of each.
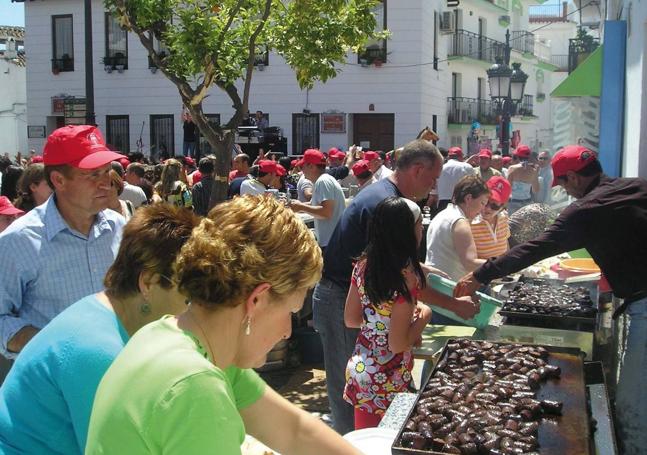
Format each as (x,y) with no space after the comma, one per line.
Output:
(13,92)
(380,101)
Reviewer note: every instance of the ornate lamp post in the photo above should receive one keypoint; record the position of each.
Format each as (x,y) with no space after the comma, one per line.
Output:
(506,90)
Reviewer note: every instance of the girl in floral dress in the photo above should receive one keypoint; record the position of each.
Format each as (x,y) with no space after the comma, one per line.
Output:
(382,303)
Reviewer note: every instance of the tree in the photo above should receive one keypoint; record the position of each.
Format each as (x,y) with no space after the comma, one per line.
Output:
(198,44)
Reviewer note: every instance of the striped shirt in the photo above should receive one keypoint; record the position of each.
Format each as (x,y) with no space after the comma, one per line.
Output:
(46,266)
(491,242)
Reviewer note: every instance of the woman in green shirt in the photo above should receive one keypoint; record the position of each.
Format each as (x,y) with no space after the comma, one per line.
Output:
(184,385)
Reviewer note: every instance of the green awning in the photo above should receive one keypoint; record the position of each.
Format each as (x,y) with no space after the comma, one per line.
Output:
(586,80)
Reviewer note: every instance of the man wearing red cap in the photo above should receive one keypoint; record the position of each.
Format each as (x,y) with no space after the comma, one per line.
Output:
(8,213)
(327,203)
(609,219)
(376,163)
(258,185)
(484,169)
(60,251)
(453,170)
(363,174)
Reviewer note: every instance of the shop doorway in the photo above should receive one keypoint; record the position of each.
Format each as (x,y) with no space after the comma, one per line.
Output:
(374,131)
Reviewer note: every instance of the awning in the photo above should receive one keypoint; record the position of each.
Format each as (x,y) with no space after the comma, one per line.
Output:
(586,80)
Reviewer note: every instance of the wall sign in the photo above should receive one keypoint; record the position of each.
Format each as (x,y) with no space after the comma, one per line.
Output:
(35,132)
(333,123)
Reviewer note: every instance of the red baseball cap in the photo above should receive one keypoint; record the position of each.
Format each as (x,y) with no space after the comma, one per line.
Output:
(571,158)
(36,159)
(79,146)
(294,163)
(485,153)
(506,159)
(267,166)
(280,170)
(522,151)
(196,177)
(312,156)
(124,162)
(455,151)
(188,161)
(500,189)
(7,208)
(360,167)
(370,156)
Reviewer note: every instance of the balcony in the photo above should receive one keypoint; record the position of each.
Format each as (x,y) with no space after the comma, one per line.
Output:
(372,55)
(467,44)
(62,64)
(466,110)
(525,109)
(523,42)
(548,13)
(579,49)
(560,61)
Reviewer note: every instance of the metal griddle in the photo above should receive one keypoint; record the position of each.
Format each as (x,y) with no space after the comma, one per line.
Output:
(569,433)
(579,323)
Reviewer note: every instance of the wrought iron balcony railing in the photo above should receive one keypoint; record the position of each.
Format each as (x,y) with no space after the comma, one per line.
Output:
(466,110)
(523,42)
(468,44)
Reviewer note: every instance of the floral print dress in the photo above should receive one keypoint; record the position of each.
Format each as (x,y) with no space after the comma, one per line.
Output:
(374,374)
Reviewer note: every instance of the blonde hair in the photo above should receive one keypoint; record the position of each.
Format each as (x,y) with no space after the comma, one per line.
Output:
(170,174)
(242,243)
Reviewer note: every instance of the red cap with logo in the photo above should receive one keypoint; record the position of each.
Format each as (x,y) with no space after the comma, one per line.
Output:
(455,152)
(360,167)
(267,166)
(79,146)
(7,208)
(522,151)
(500,189)
(370,156)
(312,156)
(571,158)
(485,153)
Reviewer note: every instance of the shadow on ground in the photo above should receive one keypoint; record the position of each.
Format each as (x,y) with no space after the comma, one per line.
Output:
(304,386)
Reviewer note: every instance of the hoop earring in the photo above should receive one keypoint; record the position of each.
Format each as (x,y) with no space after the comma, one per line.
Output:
(248,327)
(144,308)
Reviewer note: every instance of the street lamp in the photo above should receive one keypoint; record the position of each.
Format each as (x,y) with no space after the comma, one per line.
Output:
(506,90)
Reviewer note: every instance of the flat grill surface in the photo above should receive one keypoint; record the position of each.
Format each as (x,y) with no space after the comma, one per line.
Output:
(568,434)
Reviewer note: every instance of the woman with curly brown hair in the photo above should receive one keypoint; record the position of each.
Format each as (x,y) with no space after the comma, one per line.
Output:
(188,379)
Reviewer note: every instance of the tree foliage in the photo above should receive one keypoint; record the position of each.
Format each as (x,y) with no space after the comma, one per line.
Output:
(198,44)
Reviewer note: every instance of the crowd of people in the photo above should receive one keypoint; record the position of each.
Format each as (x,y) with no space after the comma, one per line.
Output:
(134,311)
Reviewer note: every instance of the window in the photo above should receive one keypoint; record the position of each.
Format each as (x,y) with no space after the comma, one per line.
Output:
(375,52)
(305,132)
(116,44)
(262,57)
(118,132)
(62,43)
(203,145)
(162,137)
(160,49)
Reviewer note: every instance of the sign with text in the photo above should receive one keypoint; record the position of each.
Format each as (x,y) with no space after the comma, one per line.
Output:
(35,132)
(75,111)
(333,123)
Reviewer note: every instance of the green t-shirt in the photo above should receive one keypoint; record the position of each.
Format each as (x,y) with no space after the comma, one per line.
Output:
(487,175)
(163,395)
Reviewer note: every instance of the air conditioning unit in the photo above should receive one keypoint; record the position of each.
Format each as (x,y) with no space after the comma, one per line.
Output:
(447,22)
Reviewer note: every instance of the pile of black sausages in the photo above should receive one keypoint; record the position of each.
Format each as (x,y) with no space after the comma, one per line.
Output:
(482,400)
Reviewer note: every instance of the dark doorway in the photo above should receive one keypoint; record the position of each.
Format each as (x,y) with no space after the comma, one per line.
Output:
(375,129)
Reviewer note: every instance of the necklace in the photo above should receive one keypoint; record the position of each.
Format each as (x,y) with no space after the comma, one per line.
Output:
(204,335)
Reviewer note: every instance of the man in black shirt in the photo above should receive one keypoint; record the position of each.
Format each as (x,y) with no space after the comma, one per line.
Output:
(609,219)
(201,191)
(189,139)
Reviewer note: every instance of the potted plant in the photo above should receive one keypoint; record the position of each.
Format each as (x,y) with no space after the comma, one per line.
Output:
(66,62)
(378,62)
(120,61)
(108,64)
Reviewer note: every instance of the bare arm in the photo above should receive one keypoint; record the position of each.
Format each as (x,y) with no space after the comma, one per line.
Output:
(353,309)
(404,329)
(465,247)
(282,426)
(324,211)
(21,338)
